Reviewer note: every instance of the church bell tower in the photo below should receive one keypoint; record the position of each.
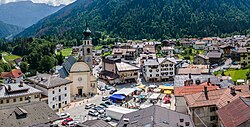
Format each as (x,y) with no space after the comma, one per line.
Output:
(87,47)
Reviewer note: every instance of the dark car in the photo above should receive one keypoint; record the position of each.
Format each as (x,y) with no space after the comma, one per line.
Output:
(108,103)
(104,105)
(112,91)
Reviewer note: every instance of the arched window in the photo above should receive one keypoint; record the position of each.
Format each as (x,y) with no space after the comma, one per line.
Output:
(88,50)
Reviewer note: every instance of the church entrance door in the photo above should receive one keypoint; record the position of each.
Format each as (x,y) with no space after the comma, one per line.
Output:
(80,92)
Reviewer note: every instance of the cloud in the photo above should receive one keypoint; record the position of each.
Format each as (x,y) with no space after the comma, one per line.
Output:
(50,2)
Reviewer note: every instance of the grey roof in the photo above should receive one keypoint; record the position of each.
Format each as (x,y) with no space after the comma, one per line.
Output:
(48,81)
(155,116)
(16,90)
(181,105)
(214,54)
(179,79)
(94,123)
(67,64)
(23,115)
(150,62)
(162,60)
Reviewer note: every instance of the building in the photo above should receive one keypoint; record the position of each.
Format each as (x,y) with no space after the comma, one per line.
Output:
(215,58)
(235,114)
(161,69)
(167,51)
(94,123)
(244,56)
(186,44)
(115,71)
(201,59)
(199,45)
(16,93)
(26,114)
(85,54)
(14,75)
(211,49)
(155,116)
(83,82)
(227,50)
(202,106)
(55,90)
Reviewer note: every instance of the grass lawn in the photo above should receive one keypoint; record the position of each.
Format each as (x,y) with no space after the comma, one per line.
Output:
(235,74)
(98,47)
(66,52)
(10,57)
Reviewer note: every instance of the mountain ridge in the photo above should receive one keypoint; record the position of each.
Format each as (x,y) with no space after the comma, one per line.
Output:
(8,30)
(136,19)
(25,13)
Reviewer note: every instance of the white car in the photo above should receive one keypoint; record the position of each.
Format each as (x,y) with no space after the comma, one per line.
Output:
(64,115)
(93,112)
(104,117)
(72,123)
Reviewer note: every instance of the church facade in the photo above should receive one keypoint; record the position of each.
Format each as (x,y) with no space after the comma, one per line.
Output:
(84,83)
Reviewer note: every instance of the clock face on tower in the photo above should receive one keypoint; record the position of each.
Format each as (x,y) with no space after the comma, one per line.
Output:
(88,59)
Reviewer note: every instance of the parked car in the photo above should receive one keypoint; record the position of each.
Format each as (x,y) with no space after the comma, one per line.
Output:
(108,103)
(89,106)
(104,117)
(100,88)
(99,110)
(104,105)
(104,98)
(65,122)
(72,123)
(113,91)
(107,87)
(64,115)
(100,106)
(93,112)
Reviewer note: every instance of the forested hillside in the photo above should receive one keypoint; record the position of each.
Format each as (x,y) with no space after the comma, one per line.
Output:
(9,30)
(137,19)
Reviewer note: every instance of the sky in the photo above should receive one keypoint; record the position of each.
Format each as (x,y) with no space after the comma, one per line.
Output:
(50,2)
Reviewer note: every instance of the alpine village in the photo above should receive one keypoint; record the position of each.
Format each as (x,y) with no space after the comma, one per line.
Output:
(125,63)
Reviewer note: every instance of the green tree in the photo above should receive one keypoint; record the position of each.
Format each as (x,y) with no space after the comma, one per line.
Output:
(1,70)
(60,58)
(24,66)
(47,63)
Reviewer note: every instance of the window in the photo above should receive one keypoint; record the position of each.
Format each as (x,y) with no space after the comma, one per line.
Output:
(36,96)
(212,118)
(14,100)
(65,95)
(53,92)
(1,101)
(93,85)
(157,75)
(171,73)
(59,90)
(60,98)
(88,50)
(65,88)
(213,109)
(135,73)
(53,98)
(150,75)
(21,99)
(150,70)
(157,70)
(53,106)
(7,101)
(66,102)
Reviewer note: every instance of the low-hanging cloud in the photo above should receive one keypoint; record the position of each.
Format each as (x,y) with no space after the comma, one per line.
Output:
(50,2)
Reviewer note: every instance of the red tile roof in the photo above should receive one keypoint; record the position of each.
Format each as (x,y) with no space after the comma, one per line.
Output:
(219,98)
(185,90)
(235,113)
(16,73)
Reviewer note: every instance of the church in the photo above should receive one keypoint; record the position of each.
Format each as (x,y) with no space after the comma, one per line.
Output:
(80,72)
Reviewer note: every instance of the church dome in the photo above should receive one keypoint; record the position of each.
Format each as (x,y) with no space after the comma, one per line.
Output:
(80,67)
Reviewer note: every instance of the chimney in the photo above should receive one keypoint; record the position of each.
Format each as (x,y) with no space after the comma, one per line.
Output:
(208,80)
(21,84)
(205,92)
(232,91)
(189,75)
(9,87)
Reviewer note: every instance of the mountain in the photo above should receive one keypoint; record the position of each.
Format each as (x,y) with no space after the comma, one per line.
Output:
(7,30)
(137,19)
(25,13)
